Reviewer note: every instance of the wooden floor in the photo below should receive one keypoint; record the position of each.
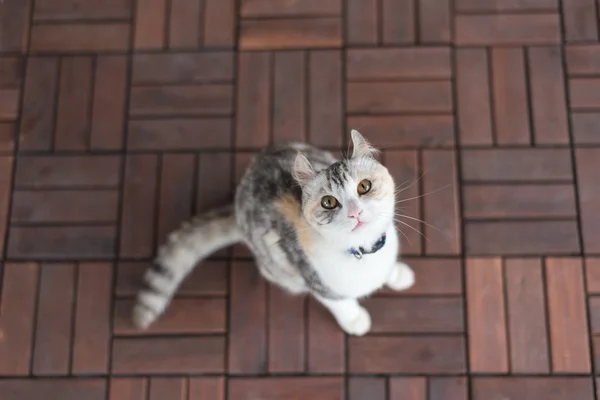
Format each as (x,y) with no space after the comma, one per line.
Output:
(121,118)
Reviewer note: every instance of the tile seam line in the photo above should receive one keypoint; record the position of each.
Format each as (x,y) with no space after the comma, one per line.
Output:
(459,193)
(573,154)
(122,152)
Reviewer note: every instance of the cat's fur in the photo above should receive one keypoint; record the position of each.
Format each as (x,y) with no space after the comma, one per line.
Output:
(297,243)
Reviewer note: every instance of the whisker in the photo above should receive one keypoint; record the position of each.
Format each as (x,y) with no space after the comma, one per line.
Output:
(400,186)
(421,221)
(413,228)
(418,179)
(423,195)
(404,234)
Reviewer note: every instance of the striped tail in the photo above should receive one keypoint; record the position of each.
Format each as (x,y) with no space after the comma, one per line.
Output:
(185,248)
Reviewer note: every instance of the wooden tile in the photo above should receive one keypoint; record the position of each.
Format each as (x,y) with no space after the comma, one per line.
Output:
(522,237)
(150,24)
(517,388)
(64,10)
(247,321)
(416,315)
(512,29)
(209,100)
(448,388)
(592,269)
(219,23)
(108,112)
(54,322)
(185,26)
(411,388)
(73,117)
(441,203)
(128,389)
(167,388)
(14,20)
(488,343)
(582,59)
(180,134)
(526,316)
(61,388)
(206,388)
(289,97)
(17,316)
(509,86)
(586,164)
(177,355)
(435,21)
(398,22)
(97,38)
(91,337)
(580,24)
(60,243)
(175,200)
(287,329)
(371,388)
(139,186)
(395,97)
(516,165)
(173,68)
(41,85)
(65,206)
(325,123)
(273,34)
(548,100)
(400,63)
(567,316)
(473,97)
(414,354)
(253,121)
(361,22)
(519,201)
(63,172)
(280,388)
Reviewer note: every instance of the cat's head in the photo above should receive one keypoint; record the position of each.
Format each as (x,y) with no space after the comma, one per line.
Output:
(353,197)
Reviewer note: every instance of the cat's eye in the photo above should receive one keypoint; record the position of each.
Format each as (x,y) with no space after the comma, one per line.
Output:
(364,186)
(329,202)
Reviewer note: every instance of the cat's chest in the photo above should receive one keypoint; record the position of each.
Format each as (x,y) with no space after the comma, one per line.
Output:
(348,276)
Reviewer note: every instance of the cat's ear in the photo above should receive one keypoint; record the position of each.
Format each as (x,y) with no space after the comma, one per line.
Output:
(303,170)
(361,148)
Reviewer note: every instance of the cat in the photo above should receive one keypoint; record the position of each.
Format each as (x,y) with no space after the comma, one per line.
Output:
(315,225)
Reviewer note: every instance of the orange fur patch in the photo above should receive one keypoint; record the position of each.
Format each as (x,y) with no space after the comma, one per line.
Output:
(292,211)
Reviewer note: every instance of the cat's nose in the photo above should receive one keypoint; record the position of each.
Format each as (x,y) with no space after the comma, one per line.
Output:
(355,213)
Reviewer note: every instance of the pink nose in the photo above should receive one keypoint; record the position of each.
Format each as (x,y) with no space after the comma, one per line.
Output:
(355,213)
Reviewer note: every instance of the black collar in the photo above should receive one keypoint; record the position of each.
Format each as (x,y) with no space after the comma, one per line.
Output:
(378,245)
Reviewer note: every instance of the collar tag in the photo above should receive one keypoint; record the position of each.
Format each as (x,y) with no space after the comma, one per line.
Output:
(378,245)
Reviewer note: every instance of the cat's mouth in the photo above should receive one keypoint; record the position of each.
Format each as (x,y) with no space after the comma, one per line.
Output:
(358,225)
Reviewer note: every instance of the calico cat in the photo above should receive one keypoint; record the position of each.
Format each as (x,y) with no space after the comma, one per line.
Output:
(314,225)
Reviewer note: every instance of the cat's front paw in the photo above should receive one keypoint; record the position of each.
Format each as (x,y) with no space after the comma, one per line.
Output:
(359,325)
(402,277)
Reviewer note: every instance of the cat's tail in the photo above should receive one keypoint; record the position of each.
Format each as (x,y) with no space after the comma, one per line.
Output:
(184,249)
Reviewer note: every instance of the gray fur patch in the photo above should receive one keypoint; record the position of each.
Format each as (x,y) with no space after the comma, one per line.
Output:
(258,198)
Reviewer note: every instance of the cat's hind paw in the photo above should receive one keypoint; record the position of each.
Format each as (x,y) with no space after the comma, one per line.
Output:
(359,325)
